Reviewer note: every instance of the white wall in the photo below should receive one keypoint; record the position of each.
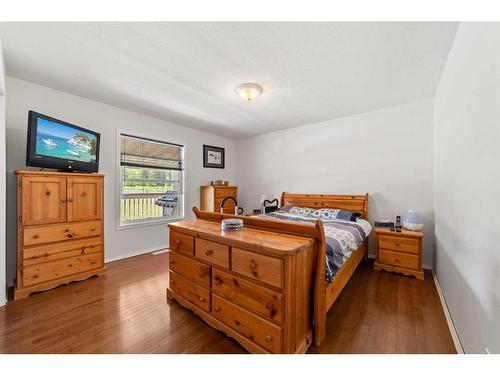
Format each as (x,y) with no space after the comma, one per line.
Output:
(105,119)
(2,181)
(467,185)
(386,153)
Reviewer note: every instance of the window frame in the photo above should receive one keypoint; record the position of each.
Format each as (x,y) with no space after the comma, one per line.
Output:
(119,185)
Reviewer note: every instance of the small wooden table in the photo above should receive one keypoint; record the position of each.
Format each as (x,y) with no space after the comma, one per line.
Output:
(399,251)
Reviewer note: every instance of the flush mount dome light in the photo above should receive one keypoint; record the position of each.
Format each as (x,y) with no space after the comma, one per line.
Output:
(248,91)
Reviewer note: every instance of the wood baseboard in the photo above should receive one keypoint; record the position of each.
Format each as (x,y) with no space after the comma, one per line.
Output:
(449,320)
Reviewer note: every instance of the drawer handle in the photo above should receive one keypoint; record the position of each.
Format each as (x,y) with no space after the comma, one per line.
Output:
(63,200)
(36,276)
(171,261)
(269,306)
(216,308)
(209,252)
(36,236)
(253,267)
(218,281)
(69,235)
(70,200)
(202,299)
(177,244)
(269,338)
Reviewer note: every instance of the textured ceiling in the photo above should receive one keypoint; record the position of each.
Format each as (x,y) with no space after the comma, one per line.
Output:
(186,72)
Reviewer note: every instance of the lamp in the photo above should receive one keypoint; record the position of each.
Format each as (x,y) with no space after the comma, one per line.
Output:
(248,91)
(412,220)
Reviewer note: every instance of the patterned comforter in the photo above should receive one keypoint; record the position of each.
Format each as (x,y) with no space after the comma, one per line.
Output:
(342,238)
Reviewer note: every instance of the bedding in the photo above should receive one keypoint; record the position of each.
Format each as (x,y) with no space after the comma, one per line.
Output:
(343,237)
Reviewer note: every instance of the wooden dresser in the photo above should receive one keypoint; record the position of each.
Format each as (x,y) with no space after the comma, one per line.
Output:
(252,284)
(400,251)
(212,196)
(60,234)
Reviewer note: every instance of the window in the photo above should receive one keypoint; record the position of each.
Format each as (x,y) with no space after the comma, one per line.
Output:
(152,174)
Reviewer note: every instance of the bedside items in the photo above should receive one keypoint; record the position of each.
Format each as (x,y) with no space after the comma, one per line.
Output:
(399,251)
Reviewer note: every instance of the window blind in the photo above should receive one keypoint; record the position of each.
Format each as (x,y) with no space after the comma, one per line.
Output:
(148,153)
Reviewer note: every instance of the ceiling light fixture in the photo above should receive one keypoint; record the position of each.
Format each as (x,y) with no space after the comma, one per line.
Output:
(248,91)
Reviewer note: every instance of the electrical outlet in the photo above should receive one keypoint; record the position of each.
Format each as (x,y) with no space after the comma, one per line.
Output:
(487,351)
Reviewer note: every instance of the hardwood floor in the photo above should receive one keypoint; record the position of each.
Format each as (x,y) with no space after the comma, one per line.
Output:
(126,311)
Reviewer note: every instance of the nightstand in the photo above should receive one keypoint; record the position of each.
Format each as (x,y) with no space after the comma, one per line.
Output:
(399,251)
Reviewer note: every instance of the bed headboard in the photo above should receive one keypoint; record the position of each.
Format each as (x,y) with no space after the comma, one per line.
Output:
(355,203)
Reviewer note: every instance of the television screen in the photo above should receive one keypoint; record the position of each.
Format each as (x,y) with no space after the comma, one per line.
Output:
(57,144)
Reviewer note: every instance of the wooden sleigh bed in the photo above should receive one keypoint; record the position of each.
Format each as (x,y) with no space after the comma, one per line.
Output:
(323,294)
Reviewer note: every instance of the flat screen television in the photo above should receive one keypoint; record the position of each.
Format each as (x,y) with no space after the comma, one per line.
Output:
(60,145)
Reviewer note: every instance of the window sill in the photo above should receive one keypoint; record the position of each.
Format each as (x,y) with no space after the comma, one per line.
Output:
(140,224)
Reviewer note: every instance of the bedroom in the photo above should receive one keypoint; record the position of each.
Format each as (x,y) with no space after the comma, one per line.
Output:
(338,124)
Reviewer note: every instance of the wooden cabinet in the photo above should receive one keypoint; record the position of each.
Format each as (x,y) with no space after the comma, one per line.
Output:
(212,196)
(84,198)
(43,199)
(247,284)
(60,229)
(399,251)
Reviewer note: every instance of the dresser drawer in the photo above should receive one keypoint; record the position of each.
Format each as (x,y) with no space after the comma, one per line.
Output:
(60,268)
(190,268)
(224,192)
(259,267)
(249,295)
(253,327)
(194,293)
(181,242)
(407,245)
(67,249)
(60,232)
(393,258)
(212,252)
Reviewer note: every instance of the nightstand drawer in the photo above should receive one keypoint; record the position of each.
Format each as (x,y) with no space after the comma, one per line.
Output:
(393,258)
(181,242)
(407,245)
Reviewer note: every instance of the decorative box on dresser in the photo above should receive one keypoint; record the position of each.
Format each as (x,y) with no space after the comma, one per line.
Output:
(252,284)
(60,235)
(212,196)
(399,251)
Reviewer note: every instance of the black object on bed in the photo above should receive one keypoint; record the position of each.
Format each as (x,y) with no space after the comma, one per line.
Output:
(271,207)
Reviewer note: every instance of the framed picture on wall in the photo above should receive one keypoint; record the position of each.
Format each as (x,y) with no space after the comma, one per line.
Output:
(213,157)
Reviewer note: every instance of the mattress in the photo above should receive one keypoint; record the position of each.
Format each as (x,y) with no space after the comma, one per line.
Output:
(342,238)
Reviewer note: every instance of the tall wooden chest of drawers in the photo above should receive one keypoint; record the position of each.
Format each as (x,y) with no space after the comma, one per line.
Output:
(254,285)
(59,229)
(399,251)
(212,196)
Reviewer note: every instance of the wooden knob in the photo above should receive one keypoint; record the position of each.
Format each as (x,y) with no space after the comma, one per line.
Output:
(202,299)
(47,192)
(216,308)
(35,236)
(177,244)
(218,281)
(269,306)
(63,200)
(171,261)
(69,235)
(253,267)
(70,200)
(269,338)
(209,252)
(35,276)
